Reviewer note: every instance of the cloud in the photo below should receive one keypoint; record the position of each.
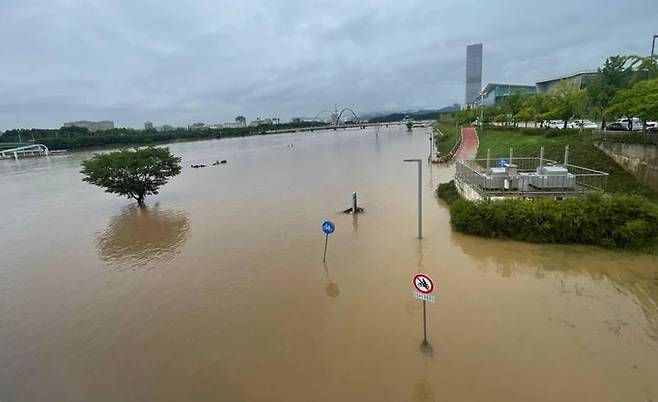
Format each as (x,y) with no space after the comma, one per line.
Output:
(207,60)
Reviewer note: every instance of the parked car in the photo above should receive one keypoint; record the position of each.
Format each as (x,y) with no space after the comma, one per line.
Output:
(582,124)
(632,123)
(653,129)
(559,124)
(616,126)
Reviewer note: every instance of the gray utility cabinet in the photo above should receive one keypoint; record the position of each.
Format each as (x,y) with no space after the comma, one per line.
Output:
(553,177)
(496,177)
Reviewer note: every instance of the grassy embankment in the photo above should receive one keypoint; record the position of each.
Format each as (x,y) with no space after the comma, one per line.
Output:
(527,142)
(625,218)
(447,141)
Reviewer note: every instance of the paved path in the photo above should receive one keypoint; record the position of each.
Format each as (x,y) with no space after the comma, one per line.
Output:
(469,146)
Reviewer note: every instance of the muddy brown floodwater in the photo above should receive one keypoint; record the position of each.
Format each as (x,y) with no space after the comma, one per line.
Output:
(217,290)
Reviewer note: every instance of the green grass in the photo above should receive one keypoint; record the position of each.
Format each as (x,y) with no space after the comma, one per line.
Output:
(445,143)
(527,142)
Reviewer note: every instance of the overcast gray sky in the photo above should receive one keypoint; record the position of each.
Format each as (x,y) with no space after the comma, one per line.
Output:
(179,62)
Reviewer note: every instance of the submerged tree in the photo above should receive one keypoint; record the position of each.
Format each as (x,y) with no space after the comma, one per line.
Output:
(132,173)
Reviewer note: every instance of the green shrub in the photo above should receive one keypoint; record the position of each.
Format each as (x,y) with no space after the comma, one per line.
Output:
(448,192)
(612,221)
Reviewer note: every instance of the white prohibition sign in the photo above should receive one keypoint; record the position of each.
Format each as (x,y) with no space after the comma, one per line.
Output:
(423,283)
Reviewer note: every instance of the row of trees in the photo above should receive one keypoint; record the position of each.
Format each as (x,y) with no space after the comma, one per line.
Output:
(80,137)
(624,86)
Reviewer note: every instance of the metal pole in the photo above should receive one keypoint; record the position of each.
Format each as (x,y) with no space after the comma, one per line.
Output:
(431,145)
(424,324)
(420,201)
(511,154)
(566,155)
(354,206)
(326,240)
(653,48)
(481,112)
(541,157)
(488,158)
(420,195)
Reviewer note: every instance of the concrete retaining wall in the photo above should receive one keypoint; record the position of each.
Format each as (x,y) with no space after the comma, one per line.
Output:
(466,191)
(640,160)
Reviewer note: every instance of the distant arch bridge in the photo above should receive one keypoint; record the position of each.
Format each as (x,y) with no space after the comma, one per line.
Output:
(338,114)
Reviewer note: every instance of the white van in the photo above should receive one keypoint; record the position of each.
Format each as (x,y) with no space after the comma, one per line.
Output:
(626,122)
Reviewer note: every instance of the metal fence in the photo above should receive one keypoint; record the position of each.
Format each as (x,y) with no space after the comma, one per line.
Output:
(633,137)
(528,180)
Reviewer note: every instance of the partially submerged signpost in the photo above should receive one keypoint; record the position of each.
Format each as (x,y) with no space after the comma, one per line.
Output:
(424,287)
(328,228)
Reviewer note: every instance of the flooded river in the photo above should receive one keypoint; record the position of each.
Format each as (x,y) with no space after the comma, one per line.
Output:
(217,291)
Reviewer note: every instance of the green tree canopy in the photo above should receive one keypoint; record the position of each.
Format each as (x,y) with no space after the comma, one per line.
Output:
(501,118)
(132,173)
(615,74)
(567,101)
(640,100)
(524,115)
(514,102)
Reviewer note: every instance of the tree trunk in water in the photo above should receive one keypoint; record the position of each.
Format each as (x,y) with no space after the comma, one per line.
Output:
(602,124)
(140,200)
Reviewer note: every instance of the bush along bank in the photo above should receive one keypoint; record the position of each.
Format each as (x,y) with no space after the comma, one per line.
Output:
(613,221)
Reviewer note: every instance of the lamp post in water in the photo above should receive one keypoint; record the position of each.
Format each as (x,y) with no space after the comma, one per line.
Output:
(420,195)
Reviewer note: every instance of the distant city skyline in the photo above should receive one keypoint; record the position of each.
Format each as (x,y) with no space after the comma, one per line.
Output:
(67,60)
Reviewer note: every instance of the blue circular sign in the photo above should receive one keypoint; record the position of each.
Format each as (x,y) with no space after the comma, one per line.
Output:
(502,162)
(328,227)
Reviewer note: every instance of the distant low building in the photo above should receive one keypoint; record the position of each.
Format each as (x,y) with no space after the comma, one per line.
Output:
(167,127)
(92,126)
(580,80)
(197,126)
(494,93)
(259,121)
(148,126)
(234,125)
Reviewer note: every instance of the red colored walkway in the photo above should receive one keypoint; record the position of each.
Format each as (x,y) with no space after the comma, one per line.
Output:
(469,146)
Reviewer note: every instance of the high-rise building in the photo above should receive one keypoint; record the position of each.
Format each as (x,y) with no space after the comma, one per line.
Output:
(148,126)
(473,74)
(91,125)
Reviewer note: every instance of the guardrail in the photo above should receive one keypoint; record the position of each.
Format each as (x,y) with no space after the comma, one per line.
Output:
(633,137)
(527,182)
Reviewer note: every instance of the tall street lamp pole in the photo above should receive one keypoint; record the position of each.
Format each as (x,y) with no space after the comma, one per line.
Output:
(653,45)
(420,196)
(481,111)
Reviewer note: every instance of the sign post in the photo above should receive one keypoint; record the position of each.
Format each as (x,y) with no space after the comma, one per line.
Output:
(328,228)
(424,287)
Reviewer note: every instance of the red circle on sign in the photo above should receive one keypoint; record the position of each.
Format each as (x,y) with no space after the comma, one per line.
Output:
(423,283)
